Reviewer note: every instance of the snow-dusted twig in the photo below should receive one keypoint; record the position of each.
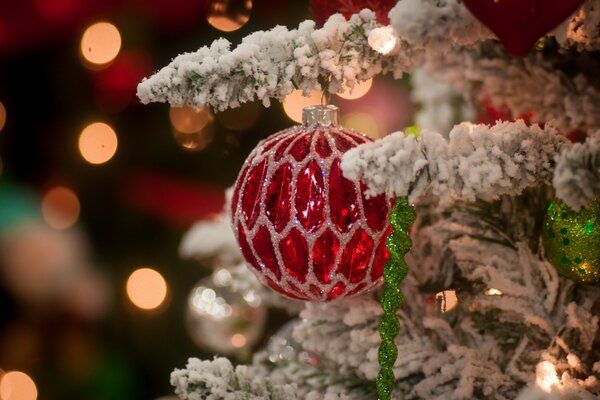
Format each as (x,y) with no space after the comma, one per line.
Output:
(577,174)
(273,63)
(477,161)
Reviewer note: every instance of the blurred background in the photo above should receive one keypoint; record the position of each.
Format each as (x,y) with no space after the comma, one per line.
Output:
(97,190)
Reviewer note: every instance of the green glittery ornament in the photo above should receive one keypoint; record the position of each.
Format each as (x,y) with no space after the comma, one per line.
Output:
(572,240)
(398,244)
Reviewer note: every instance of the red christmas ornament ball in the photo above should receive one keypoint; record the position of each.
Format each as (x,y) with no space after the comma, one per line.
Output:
(323,9)
(306,231)
(520,23)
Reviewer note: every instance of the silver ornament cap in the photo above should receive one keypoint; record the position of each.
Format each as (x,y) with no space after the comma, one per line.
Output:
(320,116)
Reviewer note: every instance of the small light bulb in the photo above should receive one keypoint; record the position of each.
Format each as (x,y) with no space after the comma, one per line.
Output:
(383,39)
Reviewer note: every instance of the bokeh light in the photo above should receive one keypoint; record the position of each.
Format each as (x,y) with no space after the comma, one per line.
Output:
(195,141)
(358,91)
(100,43)
(241,118)
(493,292)
(229,15)
(447,300)
(17,385)
(189,120)
(383,39)
(98,143)
(238,340)
(60,207)
(294,103)
(364,123)
(146,288)
(2,116)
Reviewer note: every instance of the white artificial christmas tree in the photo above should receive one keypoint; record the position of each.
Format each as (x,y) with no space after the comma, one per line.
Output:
(519,330)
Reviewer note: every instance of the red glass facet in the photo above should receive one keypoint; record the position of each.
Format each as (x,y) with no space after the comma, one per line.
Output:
(356,256)
(277,203)
(375,208)
(341,143)
(310,197)
(381,257)
(324,253)
(356,290)
(322,145)
(342,199)
(236,192)
(336,291)
(301,147)
(294,254)
(245,247)
(264,249)
(280,152)
(250,200)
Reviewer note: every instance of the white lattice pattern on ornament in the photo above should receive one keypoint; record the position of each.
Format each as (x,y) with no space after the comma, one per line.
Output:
(307,231)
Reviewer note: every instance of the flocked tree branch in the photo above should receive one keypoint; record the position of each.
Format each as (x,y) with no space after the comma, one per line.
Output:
(477,161)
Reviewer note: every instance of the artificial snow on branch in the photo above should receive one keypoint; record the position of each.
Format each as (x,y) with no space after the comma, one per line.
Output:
(271,64)
(219,380)
(532,84)
(577,174)
(477,161)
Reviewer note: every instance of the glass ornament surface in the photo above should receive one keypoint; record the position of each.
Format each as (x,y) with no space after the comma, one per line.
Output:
(307,231)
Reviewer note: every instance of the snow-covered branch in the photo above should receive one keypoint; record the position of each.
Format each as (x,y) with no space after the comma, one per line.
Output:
(271,64)
(477,161)
(577,175)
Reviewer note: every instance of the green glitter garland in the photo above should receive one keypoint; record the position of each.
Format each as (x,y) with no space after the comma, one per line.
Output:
(398,244)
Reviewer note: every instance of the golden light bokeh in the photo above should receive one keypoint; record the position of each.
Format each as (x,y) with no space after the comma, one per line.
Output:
(241,118)
(98,143)
(195,141)
(189,120)
(447,300)
(229,15)
(60,207)
(294,103)
(364,123)
(238,340)
(2,116)
(358,91)
(17,385)
(146,288)
(100,43)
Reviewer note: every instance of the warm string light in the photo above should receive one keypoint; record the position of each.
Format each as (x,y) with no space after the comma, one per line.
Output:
(2,116)
(17,385)
(146,289)
(294,103)
(192,127)
(546,376)
(447,300)
(358,91)
(100,44)
(493,292)
(60,207)
(229,15)
(98,143)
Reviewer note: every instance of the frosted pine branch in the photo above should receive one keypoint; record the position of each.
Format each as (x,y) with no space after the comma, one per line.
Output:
(219,380)
(533,84)
(577,175)
(273,63)
(477,161)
